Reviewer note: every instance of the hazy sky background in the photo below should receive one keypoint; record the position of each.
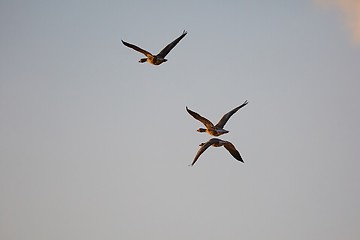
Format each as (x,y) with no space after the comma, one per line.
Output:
(94,145)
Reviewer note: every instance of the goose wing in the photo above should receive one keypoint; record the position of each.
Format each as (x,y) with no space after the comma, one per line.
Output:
(197,116)
(203,147)
(232,150)
(136,48)
(171,45)
(226,117)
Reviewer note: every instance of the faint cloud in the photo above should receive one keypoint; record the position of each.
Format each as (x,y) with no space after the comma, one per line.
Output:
(351,11)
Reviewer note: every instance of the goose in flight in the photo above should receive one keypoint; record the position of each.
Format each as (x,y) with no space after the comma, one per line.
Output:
(218,129)
(216,142)
(160,57)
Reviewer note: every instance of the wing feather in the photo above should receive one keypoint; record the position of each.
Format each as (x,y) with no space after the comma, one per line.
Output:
(136,48)
(227,116)
(202,149)
(232,150)
(171,45)
(200,118)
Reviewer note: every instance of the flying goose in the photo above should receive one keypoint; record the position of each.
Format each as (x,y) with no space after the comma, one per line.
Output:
(216,142)
(160,57)
(218,129)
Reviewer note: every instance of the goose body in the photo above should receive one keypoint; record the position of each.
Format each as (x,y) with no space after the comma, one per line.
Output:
(218,129)
(216,142)
(160,57)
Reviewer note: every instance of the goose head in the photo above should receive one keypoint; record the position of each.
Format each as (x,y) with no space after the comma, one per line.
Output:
(201,130)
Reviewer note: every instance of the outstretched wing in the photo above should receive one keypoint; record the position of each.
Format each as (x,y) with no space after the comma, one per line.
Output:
(136,48)
(232,150)
(171,45)
(197,116)
(202,149)
(226,117)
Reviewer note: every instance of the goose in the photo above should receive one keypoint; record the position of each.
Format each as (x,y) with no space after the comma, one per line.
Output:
(160,57)
(216,142)
(218,129)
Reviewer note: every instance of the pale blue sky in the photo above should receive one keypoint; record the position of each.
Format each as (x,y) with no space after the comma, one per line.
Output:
(94,145)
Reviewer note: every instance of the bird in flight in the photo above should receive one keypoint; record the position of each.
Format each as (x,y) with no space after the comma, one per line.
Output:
(218,129)
(160,57)
(216,142)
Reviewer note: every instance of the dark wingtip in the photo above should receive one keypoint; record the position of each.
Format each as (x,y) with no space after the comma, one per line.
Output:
(239,158)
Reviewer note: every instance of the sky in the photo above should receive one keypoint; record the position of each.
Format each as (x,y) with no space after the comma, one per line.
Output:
(94,145)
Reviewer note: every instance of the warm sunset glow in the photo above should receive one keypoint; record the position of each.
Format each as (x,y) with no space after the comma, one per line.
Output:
(351,11)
